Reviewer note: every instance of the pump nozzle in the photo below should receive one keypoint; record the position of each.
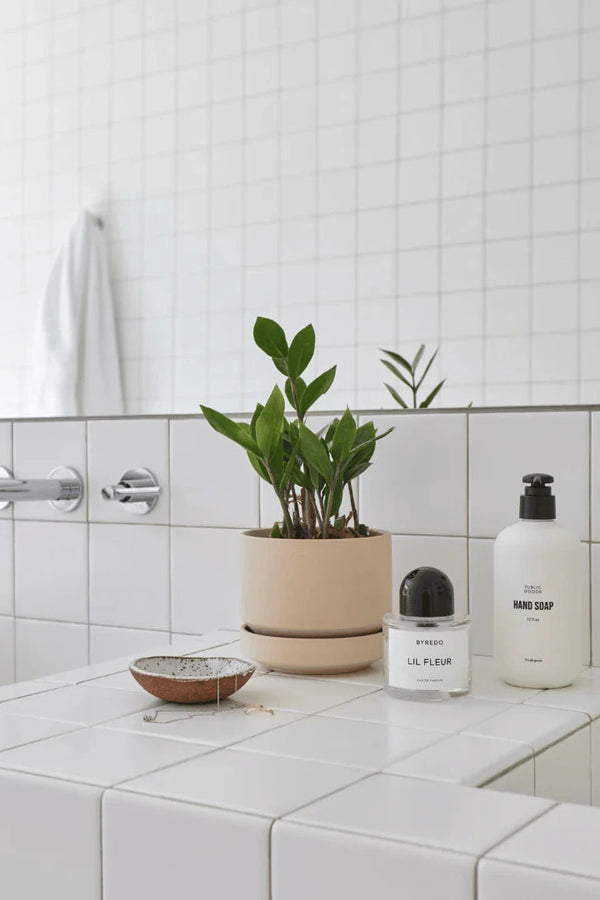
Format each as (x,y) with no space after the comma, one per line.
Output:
(538,479)
(537,501)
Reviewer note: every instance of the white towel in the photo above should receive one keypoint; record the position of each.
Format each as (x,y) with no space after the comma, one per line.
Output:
(75,353)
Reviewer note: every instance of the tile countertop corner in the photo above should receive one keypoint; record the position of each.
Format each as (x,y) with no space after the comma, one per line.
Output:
(336,781)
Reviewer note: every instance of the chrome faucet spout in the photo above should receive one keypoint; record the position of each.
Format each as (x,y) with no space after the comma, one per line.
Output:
(12,489)
(63,489)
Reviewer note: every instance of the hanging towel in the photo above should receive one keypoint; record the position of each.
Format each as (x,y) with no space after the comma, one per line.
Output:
(75,354)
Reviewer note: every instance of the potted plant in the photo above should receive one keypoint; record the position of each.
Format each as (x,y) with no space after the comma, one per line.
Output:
(316,585)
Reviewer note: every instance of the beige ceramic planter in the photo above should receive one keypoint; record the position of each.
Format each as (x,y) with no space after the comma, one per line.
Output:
(308,591)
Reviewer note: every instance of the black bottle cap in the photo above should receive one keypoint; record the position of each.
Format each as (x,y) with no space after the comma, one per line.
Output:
(426,593)
(537,501)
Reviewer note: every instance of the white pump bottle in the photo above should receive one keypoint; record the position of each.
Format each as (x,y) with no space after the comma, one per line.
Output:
(538,595)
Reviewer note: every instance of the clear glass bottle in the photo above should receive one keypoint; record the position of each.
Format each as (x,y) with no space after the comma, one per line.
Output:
(426,647)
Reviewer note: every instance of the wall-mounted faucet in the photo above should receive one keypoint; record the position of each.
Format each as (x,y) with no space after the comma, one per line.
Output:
(62,489)
(138,490)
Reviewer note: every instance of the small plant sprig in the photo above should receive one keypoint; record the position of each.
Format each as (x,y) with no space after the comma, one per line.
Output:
(309,471)
(412,381)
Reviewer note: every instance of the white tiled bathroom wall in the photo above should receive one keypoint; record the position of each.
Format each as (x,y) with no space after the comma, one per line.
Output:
(100,583)
(394,171)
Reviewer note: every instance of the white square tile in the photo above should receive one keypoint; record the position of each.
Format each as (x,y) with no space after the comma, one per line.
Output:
(7,603)
(40,447)
(84,673)
(106,643)
(533,725)
(79,705)
(97,756)
(179,830)
(562,772)
(462,759)
(509,69)
(595,761)
(427,453)
(447,554)
(595,419)
(306,861)
(455,715)
(16,731)
(205,592)
(129,576)
(366,745)
(45,647)
(487,685)
(6,458)
(7,649)
(116,446)
(512,444)
(34,839)
(50,588)
(204,724)
(562,840)
(403,809)
(519,780)
(498,880)
(299,694)
(582,696)
(248,782)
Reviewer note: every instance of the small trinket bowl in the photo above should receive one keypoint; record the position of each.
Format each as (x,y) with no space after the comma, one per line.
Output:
(185,679)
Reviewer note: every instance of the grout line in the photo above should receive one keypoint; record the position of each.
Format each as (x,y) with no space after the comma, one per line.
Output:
(507,837)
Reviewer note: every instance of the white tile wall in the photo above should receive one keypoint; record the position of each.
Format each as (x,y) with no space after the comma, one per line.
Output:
(368,166)
(86,589)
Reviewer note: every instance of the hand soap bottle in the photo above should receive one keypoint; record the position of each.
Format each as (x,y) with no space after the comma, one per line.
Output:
(538,594)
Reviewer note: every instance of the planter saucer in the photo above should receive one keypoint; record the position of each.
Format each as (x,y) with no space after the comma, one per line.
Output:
(312,655)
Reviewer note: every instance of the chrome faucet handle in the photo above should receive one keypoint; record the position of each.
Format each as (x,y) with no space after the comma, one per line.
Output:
(138,491)
(63,488)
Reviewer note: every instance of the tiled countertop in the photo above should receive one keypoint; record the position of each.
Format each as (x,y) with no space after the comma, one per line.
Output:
(340,791)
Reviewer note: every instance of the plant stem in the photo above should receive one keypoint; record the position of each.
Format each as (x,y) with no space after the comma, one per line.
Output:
(296,506)
(353,506)
(327,516)
(287,521)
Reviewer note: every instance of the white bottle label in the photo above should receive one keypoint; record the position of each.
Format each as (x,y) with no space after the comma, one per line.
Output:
(439,663)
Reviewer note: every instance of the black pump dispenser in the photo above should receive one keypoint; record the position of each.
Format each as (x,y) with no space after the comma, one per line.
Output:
(426,593)
(537,501)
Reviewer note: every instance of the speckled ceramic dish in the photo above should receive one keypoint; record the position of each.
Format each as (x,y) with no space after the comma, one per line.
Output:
(181,679)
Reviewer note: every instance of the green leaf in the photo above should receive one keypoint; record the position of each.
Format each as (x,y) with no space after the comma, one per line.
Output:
(344,436)
(269,424)
(230,429)
(300,478)
(427,368)
(270,337)
(396,372)
(281,364)
(257,412)
(259,467)
(364,433)
(417,358)
(288,468)
(299,387)
(316,389)
(432,395)
(330,430)
(276,531)
(315,453)
(301,351)
(399,359)
(396,396)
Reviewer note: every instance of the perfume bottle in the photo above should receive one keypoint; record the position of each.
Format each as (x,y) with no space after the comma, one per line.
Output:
(426,647)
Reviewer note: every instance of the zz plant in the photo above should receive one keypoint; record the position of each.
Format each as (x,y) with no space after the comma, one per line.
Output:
(308,470)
